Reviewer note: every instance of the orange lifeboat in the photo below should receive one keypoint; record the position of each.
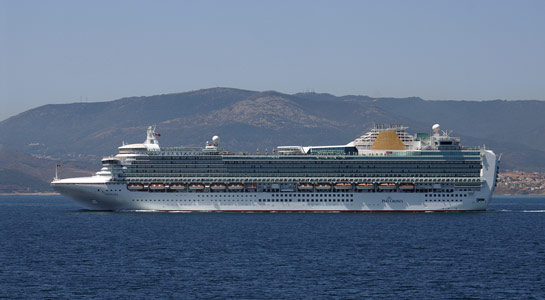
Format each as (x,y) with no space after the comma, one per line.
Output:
(196,186)
(157,186)
(236,186)
(177,186)
(252,186)
(218,186)
(305,186)
(387,186)
(323,186)
(135,186)
(343,186)
(365,186)
(406,186)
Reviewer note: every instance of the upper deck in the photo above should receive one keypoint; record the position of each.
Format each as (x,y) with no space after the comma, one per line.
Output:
(380,154)
(387,141)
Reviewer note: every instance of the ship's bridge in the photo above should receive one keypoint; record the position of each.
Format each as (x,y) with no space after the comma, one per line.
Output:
(138,148)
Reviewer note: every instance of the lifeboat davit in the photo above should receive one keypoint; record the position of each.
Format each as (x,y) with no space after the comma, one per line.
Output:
(305,186)
(135,186)
(387,186)
(406,186)
(343,186)
(236,186)
(218,186)
(323,186)
(157,186)
(177,186)
(365,186)
(196,186)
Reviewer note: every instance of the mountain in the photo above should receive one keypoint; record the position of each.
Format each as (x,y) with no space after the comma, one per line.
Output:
(23,173)
(249,120)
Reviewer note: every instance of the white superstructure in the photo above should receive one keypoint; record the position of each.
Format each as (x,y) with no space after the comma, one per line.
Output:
(384,170)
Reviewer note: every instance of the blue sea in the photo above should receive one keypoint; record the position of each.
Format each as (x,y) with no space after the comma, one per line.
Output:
(50,248)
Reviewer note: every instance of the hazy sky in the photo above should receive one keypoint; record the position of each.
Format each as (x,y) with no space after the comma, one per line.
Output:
(71,51)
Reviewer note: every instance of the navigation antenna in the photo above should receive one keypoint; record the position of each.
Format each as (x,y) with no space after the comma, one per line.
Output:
(446,132)
(151,136)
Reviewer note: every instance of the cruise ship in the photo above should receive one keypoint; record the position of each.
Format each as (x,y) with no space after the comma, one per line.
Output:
(386,169)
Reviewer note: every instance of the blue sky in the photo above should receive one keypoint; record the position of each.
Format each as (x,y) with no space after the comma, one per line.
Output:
(71,51)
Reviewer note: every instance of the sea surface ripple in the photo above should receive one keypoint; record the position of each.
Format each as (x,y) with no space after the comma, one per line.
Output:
(50,248)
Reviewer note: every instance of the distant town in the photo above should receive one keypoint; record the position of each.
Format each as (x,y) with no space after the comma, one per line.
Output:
(520,183)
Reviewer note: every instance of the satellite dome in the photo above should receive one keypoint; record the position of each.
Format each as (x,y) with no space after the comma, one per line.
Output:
(436,127)
(215,139)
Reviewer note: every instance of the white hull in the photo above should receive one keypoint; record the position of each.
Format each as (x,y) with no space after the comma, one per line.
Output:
(116,197)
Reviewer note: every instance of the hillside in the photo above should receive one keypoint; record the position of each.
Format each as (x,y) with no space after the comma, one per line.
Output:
(247,120)
(22,173)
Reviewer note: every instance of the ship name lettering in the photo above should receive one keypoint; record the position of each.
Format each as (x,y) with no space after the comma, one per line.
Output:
(391,201)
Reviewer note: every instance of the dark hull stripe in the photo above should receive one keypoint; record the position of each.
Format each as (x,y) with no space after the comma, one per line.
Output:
(304,211)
